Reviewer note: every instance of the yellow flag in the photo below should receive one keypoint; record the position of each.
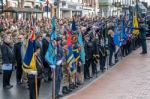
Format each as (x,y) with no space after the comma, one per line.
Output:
(135,25)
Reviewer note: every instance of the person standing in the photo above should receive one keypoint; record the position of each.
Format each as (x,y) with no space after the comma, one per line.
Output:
(102,54)
(7,61)
(18,57)
(143,36)
(33,91)
(59,59)
(45,44)
(111,46)
(88,56)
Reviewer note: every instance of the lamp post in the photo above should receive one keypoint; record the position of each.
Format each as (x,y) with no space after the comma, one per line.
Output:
(47,2)
(2,8)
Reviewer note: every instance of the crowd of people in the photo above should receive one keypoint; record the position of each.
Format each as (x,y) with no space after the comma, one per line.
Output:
(81,44)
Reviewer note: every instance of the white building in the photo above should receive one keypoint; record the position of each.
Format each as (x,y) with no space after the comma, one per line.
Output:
(65,8)
(69,8)
(113,7)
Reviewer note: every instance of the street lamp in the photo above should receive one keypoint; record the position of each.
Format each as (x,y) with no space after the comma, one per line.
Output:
(47,2)
(2,7)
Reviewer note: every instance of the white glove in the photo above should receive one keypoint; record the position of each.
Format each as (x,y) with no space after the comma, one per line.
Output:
(59,62)
(53,66)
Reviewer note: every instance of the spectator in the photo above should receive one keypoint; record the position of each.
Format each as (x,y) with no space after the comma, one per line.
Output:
(7,61)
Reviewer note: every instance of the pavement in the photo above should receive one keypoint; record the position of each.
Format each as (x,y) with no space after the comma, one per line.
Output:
(19,92)
(130,79)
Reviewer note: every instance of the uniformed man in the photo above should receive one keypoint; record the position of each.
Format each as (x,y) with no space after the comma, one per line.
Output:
(59,58)
(143,36)
(34,83)
(111,46)
(88,56)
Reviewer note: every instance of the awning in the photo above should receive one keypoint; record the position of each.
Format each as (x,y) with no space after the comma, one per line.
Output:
(22,10)
(12,9)
(31,10)
(69,9)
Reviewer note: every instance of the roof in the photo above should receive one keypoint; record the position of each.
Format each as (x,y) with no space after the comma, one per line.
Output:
(23,10)
(70,9)
(12,9)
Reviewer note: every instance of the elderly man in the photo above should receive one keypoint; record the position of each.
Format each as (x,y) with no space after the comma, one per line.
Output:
(7,61)
(18,57)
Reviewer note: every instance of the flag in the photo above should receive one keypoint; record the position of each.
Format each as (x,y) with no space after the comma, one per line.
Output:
(116,33)
(123,34)
(73,27)
(82,51)
(53,33)
(116,25)
(122,27)
(70,55)
(117,39)
(129,24)
(29,61)
(135,25)
(76,52)
(50,55)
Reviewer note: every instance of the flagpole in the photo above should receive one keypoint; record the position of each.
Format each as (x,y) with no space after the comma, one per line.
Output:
(54,72)
(36,83)
(53,88)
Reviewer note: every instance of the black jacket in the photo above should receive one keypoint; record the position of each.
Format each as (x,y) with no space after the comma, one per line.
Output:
(148,25)
(39,66)
(88,50)
(45,45)
(7,54)
(17,53)
(111,43)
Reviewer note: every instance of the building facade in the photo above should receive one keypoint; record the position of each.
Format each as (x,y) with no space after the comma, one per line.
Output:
(69,8)
(64,8)
(114,7)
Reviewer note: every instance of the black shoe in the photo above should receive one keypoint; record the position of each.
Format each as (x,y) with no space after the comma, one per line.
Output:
(76,86)
(141,53)
(111,65)
(87,78)
(8,87)
(59,96)
(102,70)
(64,90)
(69,90)
(19,83)
(72,86)
(116,60)
(78,83)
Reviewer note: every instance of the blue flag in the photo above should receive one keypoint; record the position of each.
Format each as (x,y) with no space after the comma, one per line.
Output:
(50,56)
(29,62)
(82,52)
(116,25)
(73,27)
(116,33)
(53,33)
(123,33)
(70,55)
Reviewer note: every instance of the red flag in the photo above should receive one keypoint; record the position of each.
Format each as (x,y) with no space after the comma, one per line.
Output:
(69,39)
